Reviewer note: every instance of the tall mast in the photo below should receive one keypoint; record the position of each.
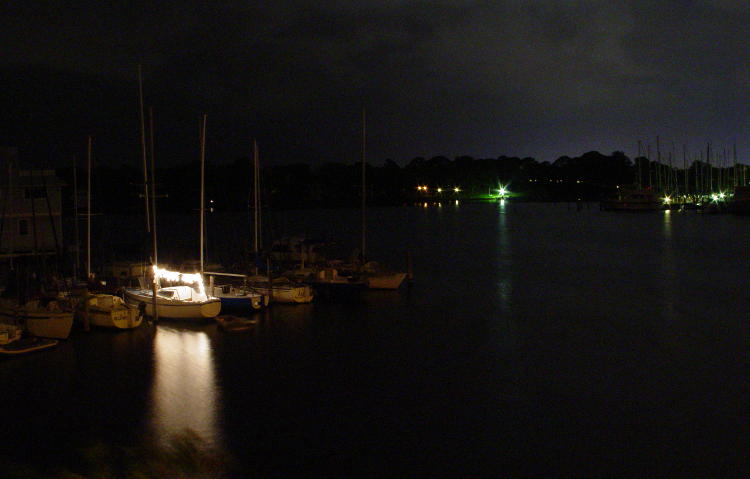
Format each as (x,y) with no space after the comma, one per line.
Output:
(734,166)
(77,263)
(8,199)
(648,156)
(203,174)
(710,168)
(256,201)
(638,159)
(685,167)
(672,173)
(364,187)
(153,187)
(658,165)
(88,211)
(143,151)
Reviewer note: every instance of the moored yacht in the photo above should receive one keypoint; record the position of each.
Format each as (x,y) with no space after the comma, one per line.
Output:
(185,301)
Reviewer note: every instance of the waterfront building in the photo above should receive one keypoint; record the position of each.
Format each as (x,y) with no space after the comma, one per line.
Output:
(30,209)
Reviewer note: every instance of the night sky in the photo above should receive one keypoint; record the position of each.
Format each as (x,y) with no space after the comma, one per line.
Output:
(538,78)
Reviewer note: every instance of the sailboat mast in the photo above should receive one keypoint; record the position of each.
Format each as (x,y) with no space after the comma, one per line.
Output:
(77,263)
(203,175)
(256,200)
(88,211)
(658,165)
(648,156)
(153,186)
(685,167)
(638,160)
(10,195)
(734,164)
(364,187)
(143,151)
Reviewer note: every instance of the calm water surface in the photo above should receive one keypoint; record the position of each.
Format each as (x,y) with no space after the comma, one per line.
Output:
(537,340)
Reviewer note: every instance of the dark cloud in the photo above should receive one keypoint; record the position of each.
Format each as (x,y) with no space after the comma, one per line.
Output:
(541,78)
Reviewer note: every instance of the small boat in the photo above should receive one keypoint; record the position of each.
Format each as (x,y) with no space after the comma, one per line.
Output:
(11,342)
(629,199)
(380,278)
(238,298)
(44,317)
(282,289)
(27,345)
(235,324)
(331,281)
(175,302)
(109,311)
(9,333)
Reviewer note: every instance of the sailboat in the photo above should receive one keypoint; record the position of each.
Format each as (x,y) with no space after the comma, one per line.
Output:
(279,290)
(376,276)
(44,317)
(12,342)
(187,299)
(100,309)
(109,311)
(241,299)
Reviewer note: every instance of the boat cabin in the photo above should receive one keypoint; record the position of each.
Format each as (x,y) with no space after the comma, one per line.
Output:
(181,293)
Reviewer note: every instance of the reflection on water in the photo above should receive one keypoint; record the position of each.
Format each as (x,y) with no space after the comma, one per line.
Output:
(669,288)
(184,394)
(504,259)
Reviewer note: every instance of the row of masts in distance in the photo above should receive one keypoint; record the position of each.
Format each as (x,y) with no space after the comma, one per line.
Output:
(709,171)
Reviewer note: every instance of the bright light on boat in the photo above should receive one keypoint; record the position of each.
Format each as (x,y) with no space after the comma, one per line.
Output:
(714,197)
(667,200)
(439,190)
(177,277)
(456,189)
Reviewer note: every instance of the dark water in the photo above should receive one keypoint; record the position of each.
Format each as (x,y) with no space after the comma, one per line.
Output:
(537,341)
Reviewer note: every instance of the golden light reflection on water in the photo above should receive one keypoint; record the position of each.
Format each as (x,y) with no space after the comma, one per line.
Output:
(668,284)
(184,393)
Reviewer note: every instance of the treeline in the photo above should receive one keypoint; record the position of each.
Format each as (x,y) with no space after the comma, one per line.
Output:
(591,177)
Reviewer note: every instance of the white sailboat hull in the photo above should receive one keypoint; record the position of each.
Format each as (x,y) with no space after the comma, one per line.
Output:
(107,311)
(287,294)
(385,281)
(174,308)
(43,321)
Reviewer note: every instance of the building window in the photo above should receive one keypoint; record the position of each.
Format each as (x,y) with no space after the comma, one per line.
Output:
(35,192)
(23,227)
